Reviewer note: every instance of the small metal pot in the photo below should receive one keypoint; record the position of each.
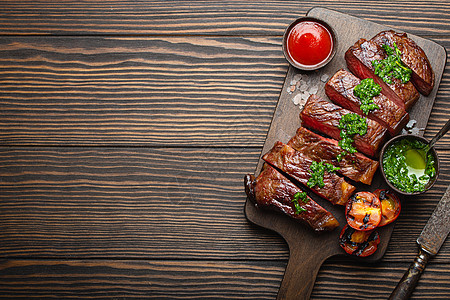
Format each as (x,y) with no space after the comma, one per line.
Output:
(432,150)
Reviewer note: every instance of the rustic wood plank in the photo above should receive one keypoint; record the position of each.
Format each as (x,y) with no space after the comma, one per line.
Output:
(81,279)
(339,281)
(173,91)
(206,17)
(200,88)
(141,91)
(150,203)
(64,202)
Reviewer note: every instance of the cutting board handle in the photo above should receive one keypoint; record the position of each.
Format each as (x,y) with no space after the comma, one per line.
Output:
(301,272)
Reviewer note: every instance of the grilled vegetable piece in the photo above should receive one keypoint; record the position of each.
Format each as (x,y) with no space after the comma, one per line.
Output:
(324,116)
(390,206)
(355,166)
(297,165)
(363,211)
(359,243)
(340,90)
(412,56)
(359,59)
(271,190)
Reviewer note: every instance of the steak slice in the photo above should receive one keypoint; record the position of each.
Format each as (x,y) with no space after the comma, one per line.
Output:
(271,190)
(297,165)
(355,166)
(340,90)
(324,116)
(359,59)
(412,56)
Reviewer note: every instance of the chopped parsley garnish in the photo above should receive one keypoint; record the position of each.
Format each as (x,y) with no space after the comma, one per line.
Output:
(392,66)
(299,196)
(350,125)
(318,171)
(365,91)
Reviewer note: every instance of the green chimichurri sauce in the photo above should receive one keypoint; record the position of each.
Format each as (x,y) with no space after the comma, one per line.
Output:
(318,171)
(392,66)
(299,196)
(365,91)
(350,125)
(406,166)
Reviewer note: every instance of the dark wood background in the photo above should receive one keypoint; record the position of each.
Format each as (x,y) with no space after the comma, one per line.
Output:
(126,129)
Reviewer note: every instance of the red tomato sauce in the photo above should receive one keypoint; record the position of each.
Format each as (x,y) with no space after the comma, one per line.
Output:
(309,43)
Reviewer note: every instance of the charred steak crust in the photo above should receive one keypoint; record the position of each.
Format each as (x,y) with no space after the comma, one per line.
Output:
(355,166)
(359,59)
(412,56)
(271,190)
(323,116)
(297,165)
(340,90)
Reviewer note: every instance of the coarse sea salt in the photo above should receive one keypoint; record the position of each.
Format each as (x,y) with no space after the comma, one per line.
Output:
(305,96)
(313,89)
(303,87)
(297,77)
(297,98)
(411,124)
(324,77)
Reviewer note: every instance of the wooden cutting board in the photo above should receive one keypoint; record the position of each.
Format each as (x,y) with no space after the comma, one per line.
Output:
(309,250)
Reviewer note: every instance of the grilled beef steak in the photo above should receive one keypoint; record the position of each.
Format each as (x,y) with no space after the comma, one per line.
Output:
(271,190)
(324,116)
(340,90)
(412,56)
(297,165)
(355,166)
(359,59)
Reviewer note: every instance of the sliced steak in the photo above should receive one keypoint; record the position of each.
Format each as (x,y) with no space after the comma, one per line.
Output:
(359,59)
(324,116)
(412,56)
(355,166)
(271,190)
(340,90)
(297,165)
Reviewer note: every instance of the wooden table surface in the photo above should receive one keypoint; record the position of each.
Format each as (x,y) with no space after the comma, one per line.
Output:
(126,129)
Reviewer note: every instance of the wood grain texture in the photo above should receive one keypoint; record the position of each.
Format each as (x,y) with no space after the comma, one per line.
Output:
(82,279)
(126,279)
(125,130)
(376,281)
(206,17)
(142,91)
(150,203)
(126,203)
(173,91)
